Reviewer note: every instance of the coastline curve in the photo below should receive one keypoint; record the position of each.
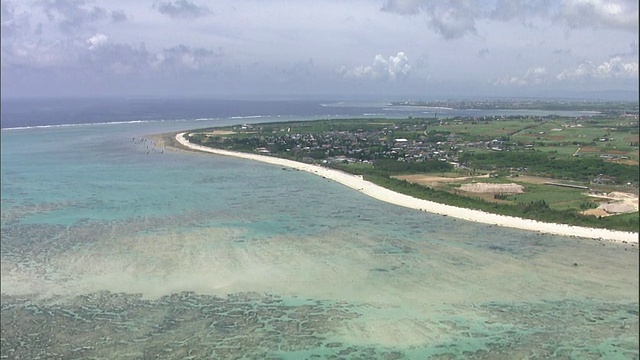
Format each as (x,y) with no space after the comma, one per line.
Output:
(383,194)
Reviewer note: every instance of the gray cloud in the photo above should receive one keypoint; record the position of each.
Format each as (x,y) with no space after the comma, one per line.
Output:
(457,18)
(73,15)
(538,43)
(118,16)
(299,71)
(484,53)
(102,56)
(402,7)
(450,18)
(506,10)
(12,24)
(182,9)
(614,14)
(453,22)
(98,54)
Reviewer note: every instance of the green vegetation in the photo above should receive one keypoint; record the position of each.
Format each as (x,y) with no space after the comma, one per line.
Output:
(535,209)
(598,152)
(545,164)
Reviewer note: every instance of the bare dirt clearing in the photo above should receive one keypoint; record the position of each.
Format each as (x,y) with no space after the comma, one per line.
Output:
(493,188)
(613,203)
(532,179)
(431,180)
(220,132)
(616,203)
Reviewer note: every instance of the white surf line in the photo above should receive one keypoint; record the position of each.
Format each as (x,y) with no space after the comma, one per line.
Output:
(384,194)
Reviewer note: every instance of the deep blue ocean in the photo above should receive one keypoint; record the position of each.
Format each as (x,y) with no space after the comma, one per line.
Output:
(116,246)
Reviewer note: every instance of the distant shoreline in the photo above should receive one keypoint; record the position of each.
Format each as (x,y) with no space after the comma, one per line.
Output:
(357,183)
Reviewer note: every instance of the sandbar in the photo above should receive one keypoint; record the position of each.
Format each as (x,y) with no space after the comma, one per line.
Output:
(378,192)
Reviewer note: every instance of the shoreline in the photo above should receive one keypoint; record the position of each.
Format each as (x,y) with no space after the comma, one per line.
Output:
(378,192)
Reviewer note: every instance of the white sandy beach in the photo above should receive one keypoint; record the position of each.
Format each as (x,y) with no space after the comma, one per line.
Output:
(380,193)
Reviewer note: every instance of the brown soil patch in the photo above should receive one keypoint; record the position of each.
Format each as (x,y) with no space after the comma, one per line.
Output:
(615,152)
(626,162)
(556,137)
(589,149)
(532,179)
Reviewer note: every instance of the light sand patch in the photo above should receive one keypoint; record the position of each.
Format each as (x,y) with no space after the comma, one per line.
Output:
(423,179)
(493,188)
(617,203)
(386,195)
(617,208)
(595,212)
(622,195)
(220,132)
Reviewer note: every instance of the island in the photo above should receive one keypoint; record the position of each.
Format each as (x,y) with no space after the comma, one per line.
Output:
(574,176)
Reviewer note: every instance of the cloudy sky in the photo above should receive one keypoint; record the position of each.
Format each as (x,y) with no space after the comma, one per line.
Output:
(321,48)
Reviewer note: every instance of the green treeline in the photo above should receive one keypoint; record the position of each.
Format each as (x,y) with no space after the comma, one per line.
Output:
(545,164)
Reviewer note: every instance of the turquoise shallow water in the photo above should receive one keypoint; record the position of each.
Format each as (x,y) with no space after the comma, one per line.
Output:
(114,247)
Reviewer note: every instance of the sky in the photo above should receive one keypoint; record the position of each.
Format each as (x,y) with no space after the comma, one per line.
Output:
(393,49)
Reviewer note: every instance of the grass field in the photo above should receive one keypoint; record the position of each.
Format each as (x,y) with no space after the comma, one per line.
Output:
(616,136)
(536,189)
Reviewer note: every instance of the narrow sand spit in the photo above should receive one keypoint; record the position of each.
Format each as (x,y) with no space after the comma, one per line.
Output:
(383,194)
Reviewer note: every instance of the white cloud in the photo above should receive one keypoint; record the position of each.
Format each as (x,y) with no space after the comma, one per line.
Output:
(614,68)
(533,76)
(97,40)
(396,67)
